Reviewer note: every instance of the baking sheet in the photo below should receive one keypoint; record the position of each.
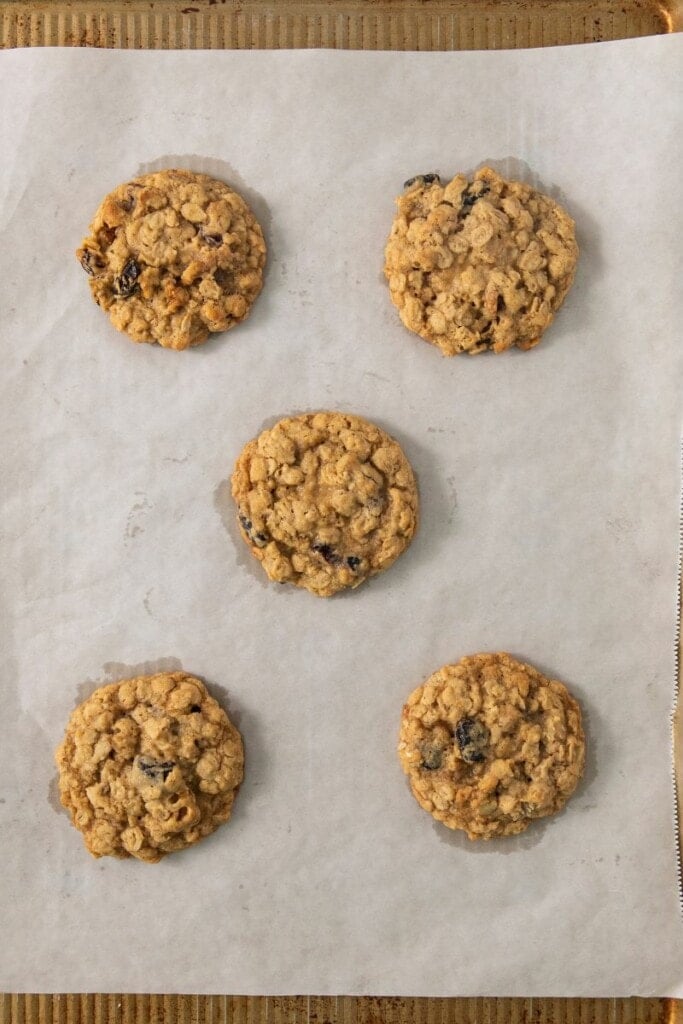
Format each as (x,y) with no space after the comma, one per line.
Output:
(549,483)
(276,24)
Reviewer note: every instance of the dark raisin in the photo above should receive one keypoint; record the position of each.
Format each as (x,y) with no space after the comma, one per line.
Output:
(432,758)
(469,198)
(353,562)
(128,203)
(91,262)
(195,709)
(472,739)
(126,284)
(155,771)
(213,240)
(425,179)
(259,539)
(328,553)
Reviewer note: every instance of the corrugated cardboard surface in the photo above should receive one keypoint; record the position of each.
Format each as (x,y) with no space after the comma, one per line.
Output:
(354,24)
(115,1009)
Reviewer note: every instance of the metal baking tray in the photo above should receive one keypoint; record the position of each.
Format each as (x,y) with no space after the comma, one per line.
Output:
(338,24)
(344,24)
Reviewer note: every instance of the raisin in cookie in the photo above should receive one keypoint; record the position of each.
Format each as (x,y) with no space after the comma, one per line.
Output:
(148,766)
(325,500)
(174,256)
(479,265)
(489,744)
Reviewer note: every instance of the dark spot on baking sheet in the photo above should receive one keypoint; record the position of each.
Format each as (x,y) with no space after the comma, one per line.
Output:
(53,795)
(114,671)
(126,284)
(91,262)
(327,552)
(472,739)
(155,771)
(425,179)
(212,240)
(353,562)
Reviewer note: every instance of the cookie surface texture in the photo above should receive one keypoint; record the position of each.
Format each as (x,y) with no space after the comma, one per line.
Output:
(174,256)
(325,500)
(490,744)
(148,766)
(479,265)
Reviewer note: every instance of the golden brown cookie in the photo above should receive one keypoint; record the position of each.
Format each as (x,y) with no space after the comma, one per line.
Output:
(148,766)
(479,265)
(490,744)
(174,256)
(325,500)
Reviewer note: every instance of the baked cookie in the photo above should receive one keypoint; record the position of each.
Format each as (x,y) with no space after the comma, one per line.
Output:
(490,744)
(325,500)
(174,256)
(148,766)
(479,265)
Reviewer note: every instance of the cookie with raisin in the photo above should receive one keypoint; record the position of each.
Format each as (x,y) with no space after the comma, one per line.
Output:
(490,744)
(325,501)
(173,257)
(149,766)
(479,265)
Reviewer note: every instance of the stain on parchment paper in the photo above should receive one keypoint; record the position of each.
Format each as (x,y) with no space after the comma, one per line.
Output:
(146,604)
(136,516)
(53,795)
(114,671)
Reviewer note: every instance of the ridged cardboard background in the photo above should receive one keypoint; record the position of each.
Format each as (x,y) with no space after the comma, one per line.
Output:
(355,24)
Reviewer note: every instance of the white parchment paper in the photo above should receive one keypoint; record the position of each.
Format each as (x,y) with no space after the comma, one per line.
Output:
(549,485)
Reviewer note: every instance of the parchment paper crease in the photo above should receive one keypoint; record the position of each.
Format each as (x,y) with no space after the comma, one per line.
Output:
(549,483)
